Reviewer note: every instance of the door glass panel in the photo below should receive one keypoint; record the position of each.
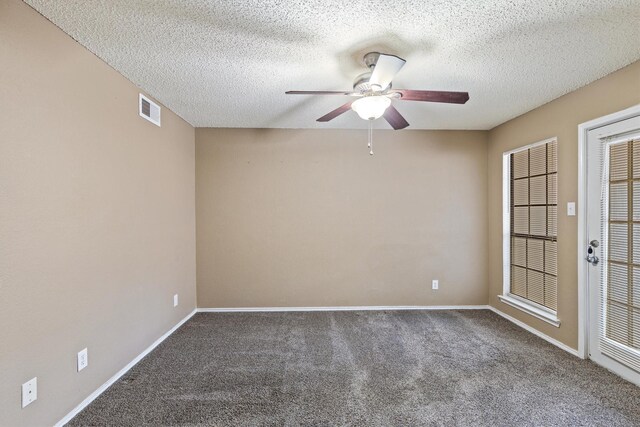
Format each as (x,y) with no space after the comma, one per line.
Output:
(618,201)
(623,247)
(636,199)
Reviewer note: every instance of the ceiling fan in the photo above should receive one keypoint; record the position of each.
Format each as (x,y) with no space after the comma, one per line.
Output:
(374,92)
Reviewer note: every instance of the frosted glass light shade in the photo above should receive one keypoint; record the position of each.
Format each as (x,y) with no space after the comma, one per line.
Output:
(371,107)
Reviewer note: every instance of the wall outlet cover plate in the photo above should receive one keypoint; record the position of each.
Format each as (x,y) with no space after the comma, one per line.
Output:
(83,359)
(29,391)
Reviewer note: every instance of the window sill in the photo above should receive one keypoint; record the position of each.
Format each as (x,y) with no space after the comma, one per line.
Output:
(530,309)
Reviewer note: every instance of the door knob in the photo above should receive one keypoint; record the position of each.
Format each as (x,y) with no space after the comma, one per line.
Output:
(592,258)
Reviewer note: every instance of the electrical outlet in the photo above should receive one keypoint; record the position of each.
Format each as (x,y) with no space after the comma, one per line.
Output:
(29,391)
(434,285)
(175,300)
(83,359)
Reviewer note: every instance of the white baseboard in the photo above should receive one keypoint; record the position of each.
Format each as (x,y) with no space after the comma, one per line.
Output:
(344,308)
(120,373)
(545,337)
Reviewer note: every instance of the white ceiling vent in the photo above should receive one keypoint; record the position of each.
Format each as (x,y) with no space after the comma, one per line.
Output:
(149,110)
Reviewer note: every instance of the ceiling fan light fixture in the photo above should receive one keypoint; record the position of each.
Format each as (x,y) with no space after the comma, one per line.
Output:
(373,88)
(371,107)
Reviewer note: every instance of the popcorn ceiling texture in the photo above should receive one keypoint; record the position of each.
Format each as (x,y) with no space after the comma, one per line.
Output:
(228,63)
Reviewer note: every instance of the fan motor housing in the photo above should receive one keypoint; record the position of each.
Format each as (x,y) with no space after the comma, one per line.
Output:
(361,83)
(371,58)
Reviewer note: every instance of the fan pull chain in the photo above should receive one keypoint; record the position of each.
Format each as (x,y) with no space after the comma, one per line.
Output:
(370,144)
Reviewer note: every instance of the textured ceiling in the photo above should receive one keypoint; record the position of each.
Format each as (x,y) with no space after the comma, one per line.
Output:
(228,63)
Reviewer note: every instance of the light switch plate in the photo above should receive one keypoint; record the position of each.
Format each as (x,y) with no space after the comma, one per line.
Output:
(29,391)
(571,209)
(175,300)
(83,359)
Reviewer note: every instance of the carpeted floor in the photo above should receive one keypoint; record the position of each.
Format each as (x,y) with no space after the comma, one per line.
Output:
(388,368)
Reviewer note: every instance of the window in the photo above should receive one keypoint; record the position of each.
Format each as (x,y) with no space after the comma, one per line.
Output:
(530,224)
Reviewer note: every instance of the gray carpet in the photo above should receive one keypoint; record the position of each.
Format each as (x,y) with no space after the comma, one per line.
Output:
(389,368)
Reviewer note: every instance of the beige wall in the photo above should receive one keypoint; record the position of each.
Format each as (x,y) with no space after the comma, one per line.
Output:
(97,220)
(308,218)
(559,118)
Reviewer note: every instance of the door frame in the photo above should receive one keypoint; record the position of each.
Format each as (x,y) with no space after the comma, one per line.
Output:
(583,272)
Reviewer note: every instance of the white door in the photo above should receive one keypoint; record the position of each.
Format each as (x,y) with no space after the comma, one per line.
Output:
(613,251)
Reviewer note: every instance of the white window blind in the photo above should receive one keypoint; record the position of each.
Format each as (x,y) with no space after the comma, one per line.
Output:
(534,222)
(620,294)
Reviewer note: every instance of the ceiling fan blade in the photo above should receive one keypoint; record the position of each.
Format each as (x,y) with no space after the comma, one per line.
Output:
(319,92)
(385,69)
(335,113)
(394,118)
(433,96)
